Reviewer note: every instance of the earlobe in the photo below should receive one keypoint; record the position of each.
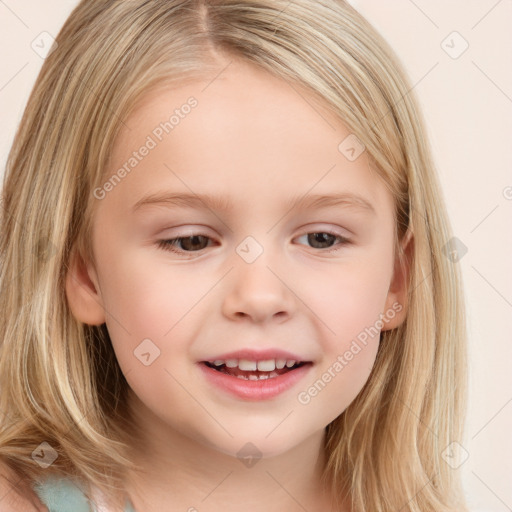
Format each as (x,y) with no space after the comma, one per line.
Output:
(82,291)
(397,299)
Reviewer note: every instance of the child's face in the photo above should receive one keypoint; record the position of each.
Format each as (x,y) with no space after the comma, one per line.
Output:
(258,281)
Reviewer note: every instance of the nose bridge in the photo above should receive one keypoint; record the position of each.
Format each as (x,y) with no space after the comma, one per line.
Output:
(257,290)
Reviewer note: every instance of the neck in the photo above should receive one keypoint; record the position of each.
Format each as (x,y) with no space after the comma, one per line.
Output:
(189,475)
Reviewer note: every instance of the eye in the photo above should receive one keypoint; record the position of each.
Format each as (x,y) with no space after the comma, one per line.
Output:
(196,242)
(326,237)
(191,243)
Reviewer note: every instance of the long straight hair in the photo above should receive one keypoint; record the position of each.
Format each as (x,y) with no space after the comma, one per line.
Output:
(60,382)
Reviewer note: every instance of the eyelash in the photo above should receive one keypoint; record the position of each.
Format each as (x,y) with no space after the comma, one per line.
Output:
(170,244)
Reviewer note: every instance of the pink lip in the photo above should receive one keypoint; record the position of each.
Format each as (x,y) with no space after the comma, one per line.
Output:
(255,389)
(258,355)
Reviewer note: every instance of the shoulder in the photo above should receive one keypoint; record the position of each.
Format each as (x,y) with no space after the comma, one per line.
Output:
(61,494)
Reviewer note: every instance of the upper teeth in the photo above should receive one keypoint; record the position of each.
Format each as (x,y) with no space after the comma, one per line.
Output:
(266,365)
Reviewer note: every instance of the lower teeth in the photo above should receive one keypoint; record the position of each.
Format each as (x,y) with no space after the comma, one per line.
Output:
(257,377)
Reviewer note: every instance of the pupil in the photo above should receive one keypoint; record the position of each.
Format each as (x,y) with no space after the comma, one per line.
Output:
(320,237)
(193,245)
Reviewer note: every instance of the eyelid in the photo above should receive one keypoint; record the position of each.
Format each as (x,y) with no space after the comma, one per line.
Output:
(169,244)
(198,229)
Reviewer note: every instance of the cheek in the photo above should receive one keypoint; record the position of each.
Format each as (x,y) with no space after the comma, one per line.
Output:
(350,310)
(149,300)
(147,324)
(147,296)
(348,300)
(336,384)
(350,342)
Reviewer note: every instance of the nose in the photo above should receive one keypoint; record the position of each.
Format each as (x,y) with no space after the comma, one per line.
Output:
(256,292)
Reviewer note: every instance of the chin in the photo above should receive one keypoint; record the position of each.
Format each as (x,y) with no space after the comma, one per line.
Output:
(256,446)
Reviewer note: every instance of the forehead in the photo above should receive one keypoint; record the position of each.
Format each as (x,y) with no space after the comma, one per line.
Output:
(238,103)
(241,130)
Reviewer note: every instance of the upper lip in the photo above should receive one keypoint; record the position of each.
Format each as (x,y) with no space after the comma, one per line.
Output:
(259,355)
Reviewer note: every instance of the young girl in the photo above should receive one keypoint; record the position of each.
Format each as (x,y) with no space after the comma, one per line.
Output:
(225,271)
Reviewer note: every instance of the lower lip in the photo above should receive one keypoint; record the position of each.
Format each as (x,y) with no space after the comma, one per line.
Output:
(255,389)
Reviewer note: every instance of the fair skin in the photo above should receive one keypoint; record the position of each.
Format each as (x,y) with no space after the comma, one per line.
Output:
(257,141)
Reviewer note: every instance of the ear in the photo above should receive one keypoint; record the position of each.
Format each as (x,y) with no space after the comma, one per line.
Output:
(83,292)
(398,289)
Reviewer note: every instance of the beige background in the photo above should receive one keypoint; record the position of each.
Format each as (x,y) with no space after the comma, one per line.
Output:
(467,102)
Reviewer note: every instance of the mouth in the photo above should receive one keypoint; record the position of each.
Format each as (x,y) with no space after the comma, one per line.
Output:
(255,374)
(246,369)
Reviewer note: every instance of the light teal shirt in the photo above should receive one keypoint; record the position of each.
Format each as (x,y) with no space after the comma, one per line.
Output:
(62,495)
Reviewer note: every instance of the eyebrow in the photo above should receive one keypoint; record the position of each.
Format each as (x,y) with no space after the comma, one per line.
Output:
(224,204)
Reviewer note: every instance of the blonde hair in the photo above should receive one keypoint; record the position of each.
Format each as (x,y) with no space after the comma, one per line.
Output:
(60,380)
